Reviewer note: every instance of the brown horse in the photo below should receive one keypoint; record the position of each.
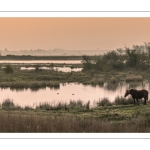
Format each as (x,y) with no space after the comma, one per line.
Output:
(137,94)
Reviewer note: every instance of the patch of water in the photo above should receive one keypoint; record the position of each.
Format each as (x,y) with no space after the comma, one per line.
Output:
(63,69)
(70,91)
(41,61)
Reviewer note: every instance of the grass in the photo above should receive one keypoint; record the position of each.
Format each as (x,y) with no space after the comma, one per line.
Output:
(9,105)
(118,101)
(123,101)
(96,80)
(69,123)
(75,116)
(28,78)
(106,119)
(113,80)
(104,102)
(134,78)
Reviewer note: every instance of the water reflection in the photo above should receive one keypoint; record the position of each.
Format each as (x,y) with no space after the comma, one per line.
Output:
(70,91)
(111,86)
(135,84)
(33,89)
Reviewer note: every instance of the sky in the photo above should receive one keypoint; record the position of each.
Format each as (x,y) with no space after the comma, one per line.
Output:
(73,33)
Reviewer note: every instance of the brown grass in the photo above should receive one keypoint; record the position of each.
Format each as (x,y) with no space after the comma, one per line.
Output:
(97,80)
(35,123)
(134,78)
(113,80)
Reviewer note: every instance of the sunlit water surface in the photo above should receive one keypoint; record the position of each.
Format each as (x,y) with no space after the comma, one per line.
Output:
(63,69)
(70,91)
(42,61)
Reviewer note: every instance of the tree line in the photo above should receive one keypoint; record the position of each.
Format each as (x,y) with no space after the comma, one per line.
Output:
(137,57)
(30,57)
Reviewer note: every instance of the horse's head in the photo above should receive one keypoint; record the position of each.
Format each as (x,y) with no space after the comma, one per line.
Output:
(127,93)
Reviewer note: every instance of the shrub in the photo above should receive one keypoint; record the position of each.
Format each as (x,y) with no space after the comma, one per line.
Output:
(118,65)
(93,81)
(28,108)
(9,69)
(134,78)
(97,81)
(113,80)
(87,105)
(101,80)
(8,104)
(37,68)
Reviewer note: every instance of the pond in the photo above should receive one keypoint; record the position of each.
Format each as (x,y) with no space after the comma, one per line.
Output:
(41,61)
(63,69)
(70,91)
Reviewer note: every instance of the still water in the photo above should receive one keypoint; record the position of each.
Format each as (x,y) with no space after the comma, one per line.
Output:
(70,91)
(63,69)
(42,61)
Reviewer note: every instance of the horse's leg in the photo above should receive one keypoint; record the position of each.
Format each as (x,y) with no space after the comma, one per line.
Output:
(137,101)
(145,98)
(134,100)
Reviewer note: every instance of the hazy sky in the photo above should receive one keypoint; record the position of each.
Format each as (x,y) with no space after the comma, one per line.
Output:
(73,33)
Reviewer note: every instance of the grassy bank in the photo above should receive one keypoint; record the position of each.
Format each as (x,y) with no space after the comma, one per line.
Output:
(118,116)
(75,117)
(24,77)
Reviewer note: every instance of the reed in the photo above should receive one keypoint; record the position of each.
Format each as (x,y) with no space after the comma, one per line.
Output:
(123,101)
(48,124)
(97,80)
(101,80)
(104,102)
(32,84)
(73,105)
(134,78)
(113,80)
(8,104)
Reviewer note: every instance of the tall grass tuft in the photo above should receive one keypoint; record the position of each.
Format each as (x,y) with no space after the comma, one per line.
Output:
(64,106)
(47,106)
(123,101)
(134,78)
(97,80)
(101,80)
(9,69)
(49,124)
(8,104)
(113,80)
(87,105)
(104,102)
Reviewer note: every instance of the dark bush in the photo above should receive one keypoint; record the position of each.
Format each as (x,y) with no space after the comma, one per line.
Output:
(9,69)
(9,105)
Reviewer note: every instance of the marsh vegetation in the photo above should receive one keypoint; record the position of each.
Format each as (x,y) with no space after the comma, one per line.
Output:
(75,117)
(106,71)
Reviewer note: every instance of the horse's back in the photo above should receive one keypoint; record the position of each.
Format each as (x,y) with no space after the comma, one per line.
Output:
(139,93)
(145,91)
(142,93)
